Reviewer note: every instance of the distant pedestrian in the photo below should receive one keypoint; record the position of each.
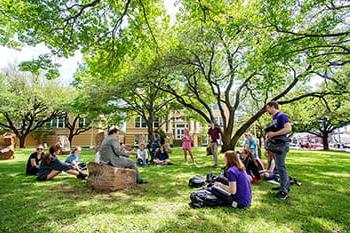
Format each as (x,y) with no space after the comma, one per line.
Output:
(187,141)
(215,135)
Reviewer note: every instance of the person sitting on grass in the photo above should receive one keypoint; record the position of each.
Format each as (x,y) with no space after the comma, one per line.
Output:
(251,145)
(162,157)
(271,173)
(251,166)
(142,155)
(73,159)
(34,161)
(238,192)
(50,166)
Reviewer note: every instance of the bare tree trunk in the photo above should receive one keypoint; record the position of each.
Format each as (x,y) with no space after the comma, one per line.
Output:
(325,141)
(226,141)
(22,139)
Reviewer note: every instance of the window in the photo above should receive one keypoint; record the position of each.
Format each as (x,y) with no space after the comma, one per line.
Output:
(219,121)
(140,122)
(60,122)
(156,122)
(48,124)
(180,131)
(214,107)
(83,122)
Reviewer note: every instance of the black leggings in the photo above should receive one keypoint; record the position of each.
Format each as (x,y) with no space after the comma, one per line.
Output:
(225,196)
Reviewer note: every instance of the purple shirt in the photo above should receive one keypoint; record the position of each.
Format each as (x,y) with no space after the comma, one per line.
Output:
(214,133)
(278,121)
(244,192)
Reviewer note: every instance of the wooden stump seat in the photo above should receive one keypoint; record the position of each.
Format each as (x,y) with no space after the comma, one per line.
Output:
(107,178)
(7,146)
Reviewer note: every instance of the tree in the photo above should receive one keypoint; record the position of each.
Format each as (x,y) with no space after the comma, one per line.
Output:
(106,29)
(322,116)
(27,102)
(218,59)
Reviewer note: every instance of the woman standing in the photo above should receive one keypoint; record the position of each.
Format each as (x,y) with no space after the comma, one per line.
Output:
(187,145)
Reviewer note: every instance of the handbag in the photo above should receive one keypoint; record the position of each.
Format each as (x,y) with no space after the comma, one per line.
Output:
(276,144)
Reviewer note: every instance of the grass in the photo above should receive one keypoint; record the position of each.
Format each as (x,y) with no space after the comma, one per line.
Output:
(66,204)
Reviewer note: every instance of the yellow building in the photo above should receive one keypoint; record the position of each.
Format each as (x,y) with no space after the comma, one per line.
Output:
(55,128)
(174,127)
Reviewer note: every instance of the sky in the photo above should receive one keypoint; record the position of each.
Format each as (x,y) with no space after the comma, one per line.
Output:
(68,66)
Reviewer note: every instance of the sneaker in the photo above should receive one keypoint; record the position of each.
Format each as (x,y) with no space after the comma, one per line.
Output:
(282,195)
(142,181)
(297,182)
(82,176)
(255,181)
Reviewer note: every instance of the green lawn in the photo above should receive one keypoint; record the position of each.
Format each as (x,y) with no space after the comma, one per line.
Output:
(66,204)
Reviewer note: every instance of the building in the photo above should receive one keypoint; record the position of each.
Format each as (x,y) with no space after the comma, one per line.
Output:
(56,127)
(173,126)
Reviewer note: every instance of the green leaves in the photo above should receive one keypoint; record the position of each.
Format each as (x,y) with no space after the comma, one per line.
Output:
(42,64)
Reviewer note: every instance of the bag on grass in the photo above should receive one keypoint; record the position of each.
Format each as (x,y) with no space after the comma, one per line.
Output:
(204,198)
(196,182)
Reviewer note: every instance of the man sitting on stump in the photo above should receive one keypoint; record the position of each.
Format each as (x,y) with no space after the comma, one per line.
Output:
(113,154)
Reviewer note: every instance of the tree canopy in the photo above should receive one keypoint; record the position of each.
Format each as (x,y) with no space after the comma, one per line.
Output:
(236,54)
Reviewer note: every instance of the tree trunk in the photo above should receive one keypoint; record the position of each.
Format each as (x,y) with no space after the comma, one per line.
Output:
(325,141)
(226,141)
(70,138)
(22,140)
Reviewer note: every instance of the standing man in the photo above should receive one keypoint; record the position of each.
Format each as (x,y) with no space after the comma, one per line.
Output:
(113,154)
(215,135)
(278,130)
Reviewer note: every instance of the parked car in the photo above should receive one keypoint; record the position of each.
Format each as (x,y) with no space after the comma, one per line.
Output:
(308,145)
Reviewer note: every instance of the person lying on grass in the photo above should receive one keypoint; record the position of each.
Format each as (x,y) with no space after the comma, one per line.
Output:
(162,157)
(251,166)
(34,161)
(50,166)
(238,192)
(73,159)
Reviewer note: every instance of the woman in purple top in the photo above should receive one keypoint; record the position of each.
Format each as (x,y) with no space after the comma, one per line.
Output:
(238,182)
(186,145)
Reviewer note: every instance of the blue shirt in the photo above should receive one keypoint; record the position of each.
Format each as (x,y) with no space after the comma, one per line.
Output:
(252,145)
(72,158)
(244,192)
(162,156)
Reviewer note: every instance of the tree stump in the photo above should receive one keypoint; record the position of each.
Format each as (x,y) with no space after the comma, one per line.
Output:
(108,179)
(7,145)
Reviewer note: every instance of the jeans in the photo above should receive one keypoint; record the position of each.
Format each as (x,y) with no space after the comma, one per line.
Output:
(214,151)
(280,159)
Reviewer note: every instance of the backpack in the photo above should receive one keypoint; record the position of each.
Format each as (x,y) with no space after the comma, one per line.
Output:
(203,198)
(196,182)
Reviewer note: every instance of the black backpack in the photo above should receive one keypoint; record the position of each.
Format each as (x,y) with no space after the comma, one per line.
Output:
(196,182)
(203,198)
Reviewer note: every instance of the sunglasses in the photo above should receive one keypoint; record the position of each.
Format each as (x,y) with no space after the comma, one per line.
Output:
(39,148)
